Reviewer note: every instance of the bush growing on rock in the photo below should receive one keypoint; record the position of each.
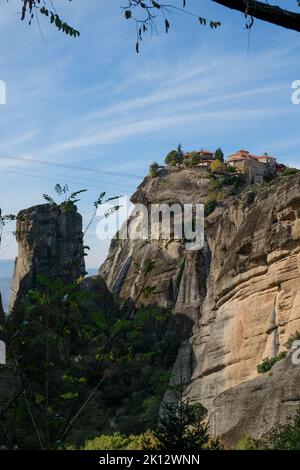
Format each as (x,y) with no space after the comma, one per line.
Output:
(153,170)
(246,442)
(289,172)
(268,363)
(285,436)
(210,206)
(218,166)
(175,157)
(292,338)
(117,441)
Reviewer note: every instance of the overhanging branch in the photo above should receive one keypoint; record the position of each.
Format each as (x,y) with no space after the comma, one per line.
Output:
(263,11)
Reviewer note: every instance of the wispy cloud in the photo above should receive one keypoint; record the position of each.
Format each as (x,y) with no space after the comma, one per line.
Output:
(10,145)
(96,102)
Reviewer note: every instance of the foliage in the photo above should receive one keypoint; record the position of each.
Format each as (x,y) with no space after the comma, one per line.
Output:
(268,363)
(194,158)
(69,199)
(179,153)
(285,436)
(60,353)
(147,14)
(289,171)
(133,396)
(246,442)
(60,25)
(292,338)
(4,220)
(231,169)
(77,364)
(174,157)
(117,441)
(171,158)
(219,155)
(153,170)
(239,183)
(280,437)
(31,7)
(218,166)
(210,206)
(102,201)
(182,428)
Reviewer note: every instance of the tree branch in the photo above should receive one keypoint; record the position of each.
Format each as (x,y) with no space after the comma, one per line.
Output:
(265,12)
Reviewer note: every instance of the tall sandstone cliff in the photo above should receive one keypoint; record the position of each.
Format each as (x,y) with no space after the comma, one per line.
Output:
(50,243)
(179,277)
(240,294)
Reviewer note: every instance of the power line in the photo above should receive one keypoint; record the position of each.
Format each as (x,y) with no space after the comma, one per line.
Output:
(55,179)
(74,167)
(131,186)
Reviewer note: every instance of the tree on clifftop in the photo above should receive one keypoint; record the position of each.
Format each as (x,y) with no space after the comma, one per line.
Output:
(219,155)
(218,167)
(175,157)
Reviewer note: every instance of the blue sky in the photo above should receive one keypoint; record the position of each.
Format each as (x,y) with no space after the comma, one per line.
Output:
(94,103)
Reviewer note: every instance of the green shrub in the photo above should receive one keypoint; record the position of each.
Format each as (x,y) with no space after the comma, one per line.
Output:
(284,437)
(114,441)
(139,442)
(217,183)
(292,338)
(231,169)
(194,158)
(246,442)
(153,170)
(119,441)
(175,157)
(270,177)
(289,172)
(268,363)
(210,206)
(239,183)
(183,428)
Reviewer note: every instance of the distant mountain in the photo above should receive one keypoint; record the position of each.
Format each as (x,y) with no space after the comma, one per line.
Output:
(5,292)
(6,273)
(91,271)
(6,268)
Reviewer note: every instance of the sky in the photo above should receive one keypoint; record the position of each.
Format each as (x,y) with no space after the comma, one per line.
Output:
(92,113)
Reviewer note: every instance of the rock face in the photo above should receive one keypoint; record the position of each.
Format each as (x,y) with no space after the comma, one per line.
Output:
(257,405)
(50,242)
(253,289)
(241,291)
(177,272)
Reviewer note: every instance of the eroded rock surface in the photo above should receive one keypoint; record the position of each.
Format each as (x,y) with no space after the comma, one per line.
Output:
(241,291)
(50,244)
(256,406)
(179,276)
(253,289)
